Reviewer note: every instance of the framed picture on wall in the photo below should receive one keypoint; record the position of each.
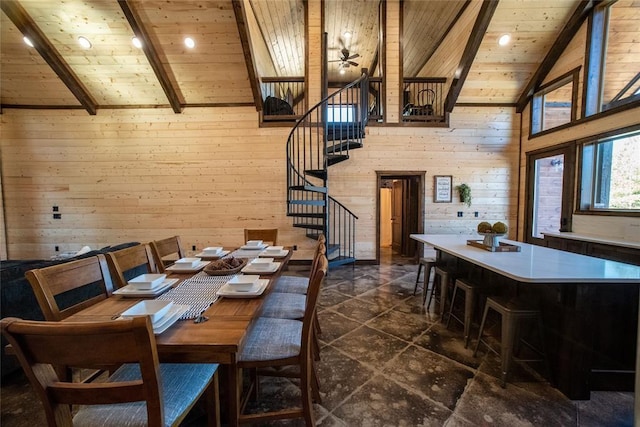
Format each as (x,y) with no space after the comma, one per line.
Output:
(442,188)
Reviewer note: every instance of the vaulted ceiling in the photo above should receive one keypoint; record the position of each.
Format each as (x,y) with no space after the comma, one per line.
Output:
(235,38)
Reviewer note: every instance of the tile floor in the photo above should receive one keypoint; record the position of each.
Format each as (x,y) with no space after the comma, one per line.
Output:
(388,362)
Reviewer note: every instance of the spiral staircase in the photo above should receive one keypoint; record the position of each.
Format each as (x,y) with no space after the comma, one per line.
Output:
(323,137)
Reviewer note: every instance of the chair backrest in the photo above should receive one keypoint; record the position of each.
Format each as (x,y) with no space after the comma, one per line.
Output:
(269,235)
(50,282)
(120,262)
(41,345)
(321,249)
(313,293)
(165,247)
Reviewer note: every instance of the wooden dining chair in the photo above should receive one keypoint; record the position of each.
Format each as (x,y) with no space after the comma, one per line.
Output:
(142,392)
(130,262)
(269,236)
(169,247)
(297,284)
(284,342)
(64,289)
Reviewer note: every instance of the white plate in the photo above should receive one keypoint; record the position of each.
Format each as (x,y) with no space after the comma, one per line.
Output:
(170,318)
(274,255)
(250,268)
(254,247)
(187,262)
(156,309)
(132,292)
(243,283)
(147,281)
(186,269)
(227,292)
(209,256)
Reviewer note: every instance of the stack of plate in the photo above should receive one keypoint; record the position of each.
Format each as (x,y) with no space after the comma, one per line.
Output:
(162,313)
(243,286)
(146,285)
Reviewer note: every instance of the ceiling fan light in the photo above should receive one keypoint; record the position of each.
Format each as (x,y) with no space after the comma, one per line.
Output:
(27,41)
(342,70)
(84,42)
(189,42)
(347,34)
(504,39)
(136,42)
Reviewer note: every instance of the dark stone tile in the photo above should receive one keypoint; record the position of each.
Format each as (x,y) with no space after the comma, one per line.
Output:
(485,402)
(449,343)
(402,325)
(360,310)
(414,305)
(384,403)
(335,325)
(370,346)
(431,375)
(339,375)
(330,297)
(359,286)
(606,408)
(381,298)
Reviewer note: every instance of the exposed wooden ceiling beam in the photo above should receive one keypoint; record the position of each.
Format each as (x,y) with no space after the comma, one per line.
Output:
(470,51)
(564,38)
(152,55)
(28,28)
(245,39)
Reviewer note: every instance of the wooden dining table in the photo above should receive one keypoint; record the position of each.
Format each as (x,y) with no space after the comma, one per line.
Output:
(216,340)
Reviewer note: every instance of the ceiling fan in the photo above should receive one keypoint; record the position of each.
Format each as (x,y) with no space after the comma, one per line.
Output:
(346,58)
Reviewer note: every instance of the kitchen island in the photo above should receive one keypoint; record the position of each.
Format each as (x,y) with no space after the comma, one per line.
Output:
(589,306)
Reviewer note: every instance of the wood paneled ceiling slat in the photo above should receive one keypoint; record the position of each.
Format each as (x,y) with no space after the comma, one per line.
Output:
(28,27)
(21,63)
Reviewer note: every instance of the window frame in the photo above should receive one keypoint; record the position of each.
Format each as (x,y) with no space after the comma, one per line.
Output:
(580,144)
(537,102)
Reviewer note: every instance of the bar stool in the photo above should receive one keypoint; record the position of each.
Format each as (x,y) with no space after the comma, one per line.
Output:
(441,276)
(470,293)
(428,264)
(512,311)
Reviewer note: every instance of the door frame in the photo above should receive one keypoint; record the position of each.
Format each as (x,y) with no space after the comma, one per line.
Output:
(568,185)
(380,176)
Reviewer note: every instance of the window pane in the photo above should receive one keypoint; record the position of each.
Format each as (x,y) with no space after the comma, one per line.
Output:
(557,106)
(622,58)
(547,199)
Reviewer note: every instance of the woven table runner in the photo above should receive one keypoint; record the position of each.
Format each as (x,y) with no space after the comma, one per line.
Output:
(199,291)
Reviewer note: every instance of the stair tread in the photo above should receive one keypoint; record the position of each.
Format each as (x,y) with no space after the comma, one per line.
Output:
(314,188)
(307,214)
(308,225)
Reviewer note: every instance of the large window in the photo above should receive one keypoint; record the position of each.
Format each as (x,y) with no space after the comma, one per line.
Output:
(613,69)
(555,103)
(610,174)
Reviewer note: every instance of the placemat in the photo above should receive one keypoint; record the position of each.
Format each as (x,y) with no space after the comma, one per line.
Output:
(199,291)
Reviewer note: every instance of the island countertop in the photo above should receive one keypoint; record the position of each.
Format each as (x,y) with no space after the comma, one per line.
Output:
(535,264)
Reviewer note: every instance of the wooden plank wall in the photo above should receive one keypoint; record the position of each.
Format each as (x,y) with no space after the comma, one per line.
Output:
(206,174)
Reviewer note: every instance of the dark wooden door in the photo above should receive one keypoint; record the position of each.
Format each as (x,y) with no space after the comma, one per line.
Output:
(397,214)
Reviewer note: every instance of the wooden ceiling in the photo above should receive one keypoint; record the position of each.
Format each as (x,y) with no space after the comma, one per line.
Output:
(235,37)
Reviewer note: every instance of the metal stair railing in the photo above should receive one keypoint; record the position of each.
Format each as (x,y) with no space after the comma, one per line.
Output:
(339,118)
(342,228)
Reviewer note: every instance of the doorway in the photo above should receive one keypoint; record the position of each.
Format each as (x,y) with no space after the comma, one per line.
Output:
(399,212)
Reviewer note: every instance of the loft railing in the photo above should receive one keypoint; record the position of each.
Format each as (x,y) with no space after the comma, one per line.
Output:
(375,99)
(423,100)
(283,98)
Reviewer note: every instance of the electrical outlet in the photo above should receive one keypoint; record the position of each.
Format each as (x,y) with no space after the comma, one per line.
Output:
(193,248)
(475,214)
(57,216)
(295,247)
(57,248)
(459,214)
(55,208)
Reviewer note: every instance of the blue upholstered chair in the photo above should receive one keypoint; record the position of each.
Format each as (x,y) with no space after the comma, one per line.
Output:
(141,392)
(284,342)
(299,285)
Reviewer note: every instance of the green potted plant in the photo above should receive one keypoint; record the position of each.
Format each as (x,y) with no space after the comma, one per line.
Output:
(465,193)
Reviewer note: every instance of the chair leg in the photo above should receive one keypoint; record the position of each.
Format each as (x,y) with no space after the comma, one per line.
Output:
(306,390)
(469,302)
(316,385)
(508,335)
(453,300)
(484,318)
(415,288)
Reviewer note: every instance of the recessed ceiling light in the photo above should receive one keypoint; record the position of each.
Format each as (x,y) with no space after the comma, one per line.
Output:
(189,42)
(84,42)
(27,41)
(504,39)
(136,42)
